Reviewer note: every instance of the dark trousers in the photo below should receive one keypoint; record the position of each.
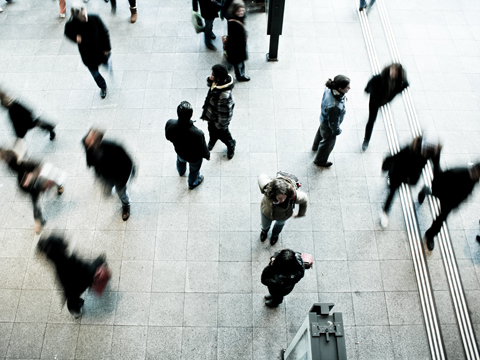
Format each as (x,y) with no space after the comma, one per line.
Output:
(44,125)
(194,170)
(323,143)
(391,194)
(223,135)
(37,209)
(208,31)
(372,116)
(438,222)
(101,83)
(133,3)
(239,69)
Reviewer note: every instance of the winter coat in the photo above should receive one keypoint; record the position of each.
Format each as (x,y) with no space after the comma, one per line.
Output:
(22,119)
(283,284)
(236,47)
(189,141)
(406,166)
(208,8)
(379,89)
(95,39)
(333,111)
(284,210)
(111,163)
(452,187)
(219,104)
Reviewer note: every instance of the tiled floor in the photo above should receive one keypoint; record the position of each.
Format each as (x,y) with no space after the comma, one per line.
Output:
(187,264)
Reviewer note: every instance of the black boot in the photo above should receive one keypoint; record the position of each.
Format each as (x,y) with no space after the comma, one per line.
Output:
(263,236)
(231,152)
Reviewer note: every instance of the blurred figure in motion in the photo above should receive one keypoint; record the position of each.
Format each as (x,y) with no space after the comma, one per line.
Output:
(22,118)
(284,270)
(218,108)
(75,275)
(209,10)
(363,5)
(331,117)
(451,188)
(406,167)
(91,35)
(133,9)
(382,89)
(34,179)
(112,165)
(63,8)
(189,142)
(236,46)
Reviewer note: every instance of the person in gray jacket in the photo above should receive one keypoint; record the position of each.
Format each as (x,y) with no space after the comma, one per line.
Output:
(281,195)
(331,117)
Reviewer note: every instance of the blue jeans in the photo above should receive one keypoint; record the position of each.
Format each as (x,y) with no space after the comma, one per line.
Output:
(208,31)
(277,228)
(194,170)
(101,83)
(363,3)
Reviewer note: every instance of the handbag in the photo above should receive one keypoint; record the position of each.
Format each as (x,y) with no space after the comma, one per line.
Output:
(197,22)
(307,260)
(100,279)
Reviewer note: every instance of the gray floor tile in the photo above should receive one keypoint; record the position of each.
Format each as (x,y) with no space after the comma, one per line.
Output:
(365,276)
(411,342)
(398,275)
(330,245)
(5,332)
(34,306)
(374,342)
(203,246)
(235,246)
(199,340)
(166,309)
(171,245)
(136,275)
(333,276)
(94,341)
(234,277)
(266,339)
(60,340)
(235,310)
(235,343)
(99,310)
(169,276)
(26,340)
(202,276)
(361,245)
(132,308)
(200,310)
(129,342)
(370,308)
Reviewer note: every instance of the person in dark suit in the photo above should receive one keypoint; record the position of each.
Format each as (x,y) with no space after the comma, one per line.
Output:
(236,47)
(209,10)
(91,35)
(189,142)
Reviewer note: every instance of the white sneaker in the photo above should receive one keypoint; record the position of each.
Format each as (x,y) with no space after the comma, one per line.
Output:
(63,15)
(383,219)
(1,10)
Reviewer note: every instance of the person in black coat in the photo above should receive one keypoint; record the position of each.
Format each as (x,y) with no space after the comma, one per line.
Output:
(189,142)
(209,10)
(382,89)
(285,269)
(236,47)
(91,35)
(112,164)
(22,118)
(75,275)
(406,167)
(451,187)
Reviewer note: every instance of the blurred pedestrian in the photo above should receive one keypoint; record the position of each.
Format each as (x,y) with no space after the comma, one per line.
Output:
(280,196)
(22,118)
(133,9)
(75,275)
(331,117)
(34,179)
(112,165)
(209,10)
(363,5)
(382,89)
(284,270)
(91,35)
(189,142)
(451,188)
(218,108)
(406,167)
(236,46)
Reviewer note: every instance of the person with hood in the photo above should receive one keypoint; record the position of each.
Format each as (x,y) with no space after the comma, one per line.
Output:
(236,46)
(383,88)
(280,196)
(209,10)
(451,188)
(22,118)
(112,164)
(75,275)
(91,35)
(331,117)
(406,167)
(284,270)
(34,179)
(189,142)
(218,108)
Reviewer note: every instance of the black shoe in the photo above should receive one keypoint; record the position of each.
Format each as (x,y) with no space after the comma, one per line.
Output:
(211,145)
(106,1)
(200,180)
(103,93)
(273,240)
(243,78)
(430,242)
(271,304)
(478,238)
(327,164)
(211,47)
(213,36)
(268,297)
(263,236)
(421,197)
(365,145)
(362,8)
(231,152)
(52,135)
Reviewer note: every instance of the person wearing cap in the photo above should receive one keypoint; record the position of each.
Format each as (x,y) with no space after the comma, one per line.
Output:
(331,117)
(451,188)
(406,167)
(383,88)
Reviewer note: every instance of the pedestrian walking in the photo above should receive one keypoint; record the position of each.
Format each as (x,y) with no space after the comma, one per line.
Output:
(133,9)
(112,165)
(382,89)
(236,45)
(91,35)
(331,117)
(22,118)
(451,188)
(189,142)
(63,8)
(363,5)
(34,179)
(75,275)
(406,167)
(209,10)
(278,203)
(284,270)
(218,108)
